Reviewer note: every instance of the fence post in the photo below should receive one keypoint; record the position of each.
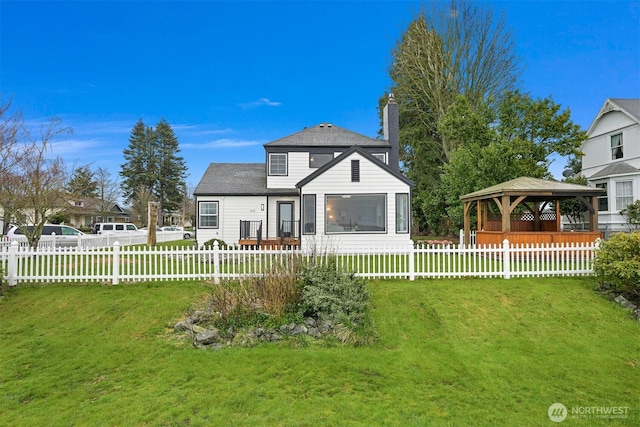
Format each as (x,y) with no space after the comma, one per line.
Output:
(412,262)
(13,262)
(506,259)
(216,262)
(116,263)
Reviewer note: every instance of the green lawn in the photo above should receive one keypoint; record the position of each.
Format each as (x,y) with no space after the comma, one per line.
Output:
(449,352)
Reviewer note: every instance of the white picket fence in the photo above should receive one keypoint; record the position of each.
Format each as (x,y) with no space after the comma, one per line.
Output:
(119,263)
(92,241)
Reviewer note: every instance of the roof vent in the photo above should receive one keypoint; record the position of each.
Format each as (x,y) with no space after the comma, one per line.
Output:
(329,125)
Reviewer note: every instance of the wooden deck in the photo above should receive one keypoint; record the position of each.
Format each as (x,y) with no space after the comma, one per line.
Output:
(270,243)
(536,237)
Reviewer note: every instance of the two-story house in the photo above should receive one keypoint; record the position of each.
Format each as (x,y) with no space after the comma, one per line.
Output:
(611,160)
(323,186)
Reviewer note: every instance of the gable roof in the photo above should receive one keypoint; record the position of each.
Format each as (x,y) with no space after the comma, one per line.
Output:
(326,135)
(618,168)
(362,152)
(532,187)
(238,179)
(628,106)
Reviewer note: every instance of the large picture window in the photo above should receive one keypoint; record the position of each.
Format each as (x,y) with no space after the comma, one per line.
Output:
(624,194)
(278,164)
(402,213)
(309,214)
(208,215)
(356,213)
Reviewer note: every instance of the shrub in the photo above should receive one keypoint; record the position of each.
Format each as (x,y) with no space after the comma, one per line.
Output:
(632,214)
(267,299)
(329,294)
(617,262)
(221,243)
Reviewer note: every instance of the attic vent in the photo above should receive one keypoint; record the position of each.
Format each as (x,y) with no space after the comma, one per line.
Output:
(329,125)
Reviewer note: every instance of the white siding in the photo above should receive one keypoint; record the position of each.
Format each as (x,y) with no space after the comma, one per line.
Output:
(597,148)
(373,180)
(597,156)
(231,210)
(297,169)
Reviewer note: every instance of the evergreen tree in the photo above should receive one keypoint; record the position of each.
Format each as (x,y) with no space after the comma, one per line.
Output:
(140,163)
(152,162)
(83,183)
(171,167)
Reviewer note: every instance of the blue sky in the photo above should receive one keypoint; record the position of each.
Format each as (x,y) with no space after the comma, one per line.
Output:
(231,76)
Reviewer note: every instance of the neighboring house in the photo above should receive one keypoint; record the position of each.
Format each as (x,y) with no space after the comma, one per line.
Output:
(611,160)
(322,186)
(82,212)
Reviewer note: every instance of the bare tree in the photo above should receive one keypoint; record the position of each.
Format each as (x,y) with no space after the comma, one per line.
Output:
(33,185)
(108,191)
(140,206)
(454,48)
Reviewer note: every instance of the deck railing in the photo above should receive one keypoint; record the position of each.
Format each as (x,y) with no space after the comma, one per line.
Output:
(118,263)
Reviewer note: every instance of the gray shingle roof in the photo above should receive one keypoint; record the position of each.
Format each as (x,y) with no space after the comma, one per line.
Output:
(618,168)
(631,106)
(326,135)
(242,179)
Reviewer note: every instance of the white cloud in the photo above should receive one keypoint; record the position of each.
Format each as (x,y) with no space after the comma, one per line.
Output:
(259,103)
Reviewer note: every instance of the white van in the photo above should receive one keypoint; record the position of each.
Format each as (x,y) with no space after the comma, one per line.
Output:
(114,228)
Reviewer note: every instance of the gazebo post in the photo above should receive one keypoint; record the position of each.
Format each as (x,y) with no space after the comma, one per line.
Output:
(558,217)
(467,222)
(506,213)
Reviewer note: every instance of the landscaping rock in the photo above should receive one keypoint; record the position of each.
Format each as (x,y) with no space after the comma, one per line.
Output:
(208,336)
(183,327)
(624,302)
(299,330)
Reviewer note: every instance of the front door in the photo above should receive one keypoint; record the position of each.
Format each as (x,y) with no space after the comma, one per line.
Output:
(285,219)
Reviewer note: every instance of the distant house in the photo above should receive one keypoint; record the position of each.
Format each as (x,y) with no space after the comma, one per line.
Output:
(84,211)
(322,186)
(611,159)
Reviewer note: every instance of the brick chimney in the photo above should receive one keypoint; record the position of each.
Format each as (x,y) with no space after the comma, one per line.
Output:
(391,130)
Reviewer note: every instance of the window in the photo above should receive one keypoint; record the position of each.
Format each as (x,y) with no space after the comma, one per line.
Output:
(317,160)
(603,200)
(356,213)
(624,194)
(402,213)
(355,170)
(278,164)
(309,213)
(208,217)
(616,146)
(381,156)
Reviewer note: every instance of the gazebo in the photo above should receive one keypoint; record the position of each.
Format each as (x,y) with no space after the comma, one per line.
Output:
(528,211)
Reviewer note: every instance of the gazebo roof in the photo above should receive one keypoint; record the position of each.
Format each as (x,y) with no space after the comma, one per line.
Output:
(533,187)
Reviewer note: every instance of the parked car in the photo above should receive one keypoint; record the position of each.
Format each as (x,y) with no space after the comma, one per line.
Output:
(185,234)
(63,235)
(114,227)
(147,228)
